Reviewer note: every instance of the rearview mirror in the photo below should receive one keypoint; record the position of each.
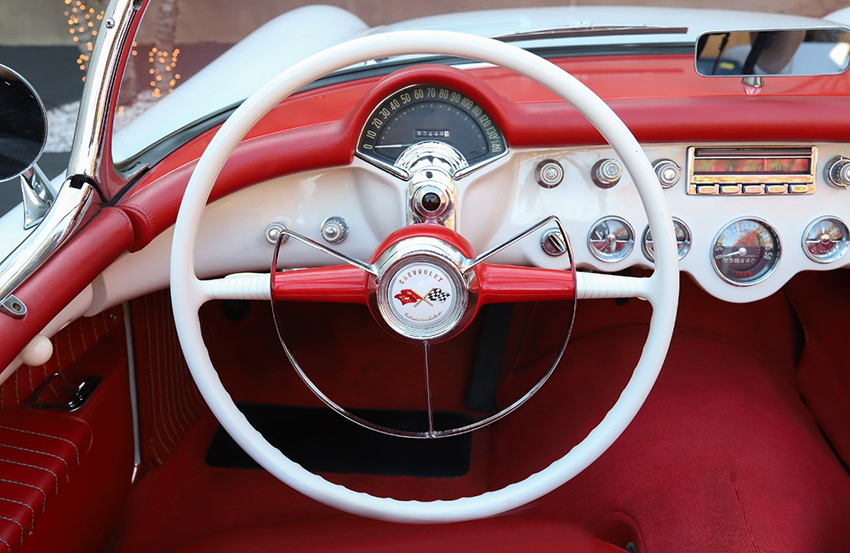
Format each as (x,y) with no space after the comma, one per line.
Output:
(23,125)
(785,52)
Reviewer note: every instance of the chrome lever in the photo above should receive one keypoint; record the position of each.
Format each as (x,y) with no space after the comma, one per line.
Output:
(511,241)
(371,269)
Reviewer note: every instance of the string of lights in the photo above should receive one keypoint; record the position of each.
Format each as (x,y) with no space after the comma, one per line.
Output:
(83,19)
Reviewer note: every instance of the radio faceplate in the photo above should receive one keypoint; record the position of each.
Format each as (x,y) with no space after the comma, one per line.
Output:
(757,171)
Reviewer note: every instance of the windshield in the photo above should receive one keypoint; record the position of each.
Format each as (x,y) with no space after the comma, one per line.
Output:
(216,53)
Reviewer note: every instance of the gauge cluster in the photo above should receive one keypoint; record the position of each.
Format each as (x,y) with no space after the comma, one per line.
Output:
(746,217)
(826,240)
(429,113)
(683,240)
(739,247)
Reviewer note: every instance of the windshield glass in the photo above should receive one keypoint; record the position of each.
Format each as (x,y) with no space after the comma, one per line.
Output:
(218,53)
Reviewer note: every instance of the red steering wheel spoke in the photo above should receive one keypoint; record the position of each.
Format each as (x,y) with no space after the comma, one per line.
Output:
(337,284)
(509,284)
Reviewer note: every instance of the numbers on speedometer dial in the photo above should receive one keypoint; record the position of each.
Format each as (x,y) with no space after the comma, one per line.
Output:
(430,113)
(746,251)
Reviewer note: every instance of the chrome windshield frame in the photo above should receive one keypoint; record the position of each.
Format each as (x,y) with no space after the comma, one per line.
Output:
(91,168)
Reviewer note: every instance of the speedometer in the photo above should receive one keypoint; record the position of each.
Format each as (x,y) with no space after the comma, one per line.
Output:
(746,251)
(425,113)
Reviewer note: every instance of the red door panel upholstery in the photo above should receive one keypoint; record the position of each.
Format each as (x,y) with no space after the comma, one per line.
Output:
(69,344)
(39,455)
(63,475)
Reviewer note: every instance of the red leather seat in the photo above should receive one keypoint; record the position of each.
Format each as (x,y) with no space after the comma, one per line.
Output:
(39,454)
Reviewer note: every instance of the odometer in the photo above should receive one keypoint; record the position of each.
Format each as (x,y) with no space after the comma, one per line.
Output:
(746,251)
(430,113)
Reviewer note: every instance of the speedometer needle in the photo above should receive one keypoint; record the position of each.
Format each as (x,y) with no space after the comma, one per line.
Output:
(740,251)
(392,146)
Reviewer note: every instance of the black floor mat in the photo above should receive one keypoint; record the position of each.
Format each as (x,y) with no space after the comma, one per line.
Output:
(322,441)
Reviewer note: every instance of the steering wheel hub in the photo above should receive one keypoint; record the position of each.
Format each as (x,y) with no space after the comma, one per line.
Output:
(422,297)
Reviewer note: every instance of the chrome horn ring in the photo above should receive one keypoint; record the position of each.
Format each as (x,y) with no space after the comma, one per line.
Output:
(437,262)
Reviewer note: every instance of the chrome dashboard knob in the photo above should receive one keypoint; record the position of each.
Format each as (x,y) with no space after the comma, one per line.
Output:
(549,173)
(431,202)
(838,172)
(334,230)
(553,243)
(607,172)
(273,231)
(667,171)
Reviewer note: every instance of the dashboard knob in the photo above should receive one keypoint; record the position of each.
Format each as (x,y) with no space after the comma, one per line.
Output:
(607,172)
(553,243)
(431,202)
(667,171)
(334,230)
(549,173)
(838,172)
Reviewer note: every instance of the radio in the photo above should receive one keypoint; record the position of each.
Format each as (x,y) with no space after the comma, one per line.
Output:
(751,171)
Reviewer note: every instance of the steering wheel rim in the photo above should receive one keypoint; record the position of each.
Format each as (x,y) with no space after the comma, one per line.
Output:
(188,293)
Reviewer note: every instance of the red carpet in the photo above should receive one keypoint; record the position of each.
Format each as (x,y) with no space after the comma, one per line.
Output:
(723,457)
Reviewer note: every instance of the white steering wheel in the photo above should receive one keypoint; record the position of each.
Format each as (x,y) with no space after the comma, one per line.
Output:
(188,293)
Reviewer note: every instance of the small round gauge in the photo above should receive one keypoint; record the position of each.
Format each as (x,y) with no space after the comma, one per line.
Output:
(683,240)
(746,251)
(611,239)
(826,240)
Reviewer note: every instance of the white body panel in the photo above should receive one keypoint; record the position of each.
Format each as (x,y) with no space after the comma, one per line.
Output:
(841,16)
(495,23)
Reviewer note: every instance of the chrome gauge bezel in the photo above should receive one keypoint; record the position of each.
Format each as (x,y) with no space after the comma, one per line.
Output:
(844,246)
(682,248)
(596,252)
(772,269)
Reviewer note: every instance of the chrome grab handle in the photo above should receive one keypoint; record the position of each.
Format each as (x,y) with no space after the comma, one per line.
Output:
(66,214)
